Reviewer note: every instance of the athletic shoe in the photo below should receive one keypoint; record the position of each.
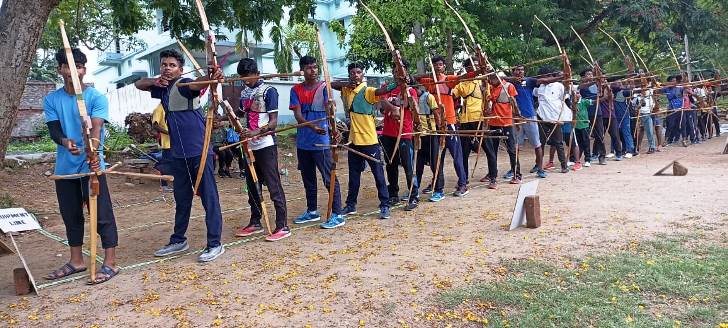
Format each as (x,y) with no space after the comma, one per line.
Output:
(279,234)
(335,221)
(508,175)
(211,253)
(516,180)
(411,205)
(485,179)
(610,155)
(549,166)
(461,192)
(534,169)
(651,151)
(594,158)
(404,197)
(427,190)
(685,143)
(384,213)
(492,184)
(249,230)
(308,216)
(172,249)
(618,158)
(541,174)
(602,161)
(166,189)
(348,210)
(628,155)
(437,196)
(564,170)
(577,166)
(569,164)
(587,164)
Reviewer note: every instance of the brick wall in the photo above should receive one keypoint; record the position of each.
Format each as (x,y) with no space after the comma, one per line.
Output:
(30,114)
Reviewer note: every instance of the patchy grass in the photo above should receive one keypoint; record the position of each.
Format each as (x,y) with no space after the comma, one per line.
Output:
(672,282)
(116,140)
(6,201)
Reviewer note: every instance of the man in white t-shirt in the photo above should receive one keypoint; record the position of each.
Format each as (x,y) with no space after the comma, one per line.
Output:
(552,109)
(259,103)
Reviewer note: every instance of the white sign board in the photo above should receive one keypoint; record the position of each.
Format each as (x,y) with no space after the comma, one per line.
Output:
(519,216)
(16,220)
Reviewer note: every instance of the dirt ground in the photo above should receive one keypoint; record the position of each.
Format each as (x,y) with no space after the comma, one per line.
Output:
(371,272)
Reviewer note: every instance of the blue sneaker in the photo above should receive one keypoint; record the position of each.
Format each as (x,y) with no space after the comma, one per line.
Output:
(384,213)
(348,210)
(541,174)
(437,196)
(508,175)
(618,158)
(307,217)
(335,221)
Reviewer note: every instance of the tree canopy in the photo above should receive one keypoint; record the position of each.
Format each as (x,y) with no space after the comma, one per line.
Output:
(509,34)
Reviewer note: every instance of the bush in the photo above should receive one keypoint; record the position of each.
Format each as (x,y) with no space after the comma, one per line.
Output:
(116,139)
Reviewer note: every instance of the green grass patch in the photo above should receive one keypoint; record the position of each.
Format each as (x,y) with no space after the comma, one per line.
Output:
(664,283)
(116,140)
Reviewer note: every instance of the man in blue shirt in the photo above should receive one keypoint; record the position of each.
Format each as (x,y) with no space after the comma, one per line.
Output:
(529,129)
(308,102)
(186,125)
(64,124)
(674,96)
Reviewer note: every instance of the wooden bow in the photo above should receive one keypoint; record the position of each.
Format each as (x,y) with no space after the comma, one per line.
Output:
(330,112)
(644,84)
(627,62)
(440,107)
(566,81)
(92,155)
(400,76)
(484,68)
(211,55)
(683,73)
(597,74)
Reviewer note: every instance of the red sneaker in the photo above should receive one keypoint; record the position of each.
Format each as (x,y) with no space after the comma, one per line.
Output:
(248,231)
(485,179)
(577,166)
(516,180)
(492,184)
(549,166)
(279,234)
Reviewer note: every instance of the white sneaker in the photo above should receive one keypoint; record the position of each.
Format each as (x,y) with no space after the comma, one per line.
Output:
(569,164)
(628,155)
(610,155)
(587,164)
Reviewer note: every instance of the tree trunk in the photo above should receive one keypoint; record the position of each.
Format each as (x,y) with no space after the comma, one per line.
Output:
(21,26)
(417,31)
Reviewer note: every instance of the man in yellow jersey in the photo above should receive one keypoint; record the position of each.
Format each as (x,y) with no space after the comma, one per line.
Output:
(472,94)
(359,103)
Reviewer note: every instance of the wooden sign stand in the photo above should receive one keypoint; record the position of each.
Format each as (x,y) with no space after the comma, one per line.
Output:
(519,215)
(24,281)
